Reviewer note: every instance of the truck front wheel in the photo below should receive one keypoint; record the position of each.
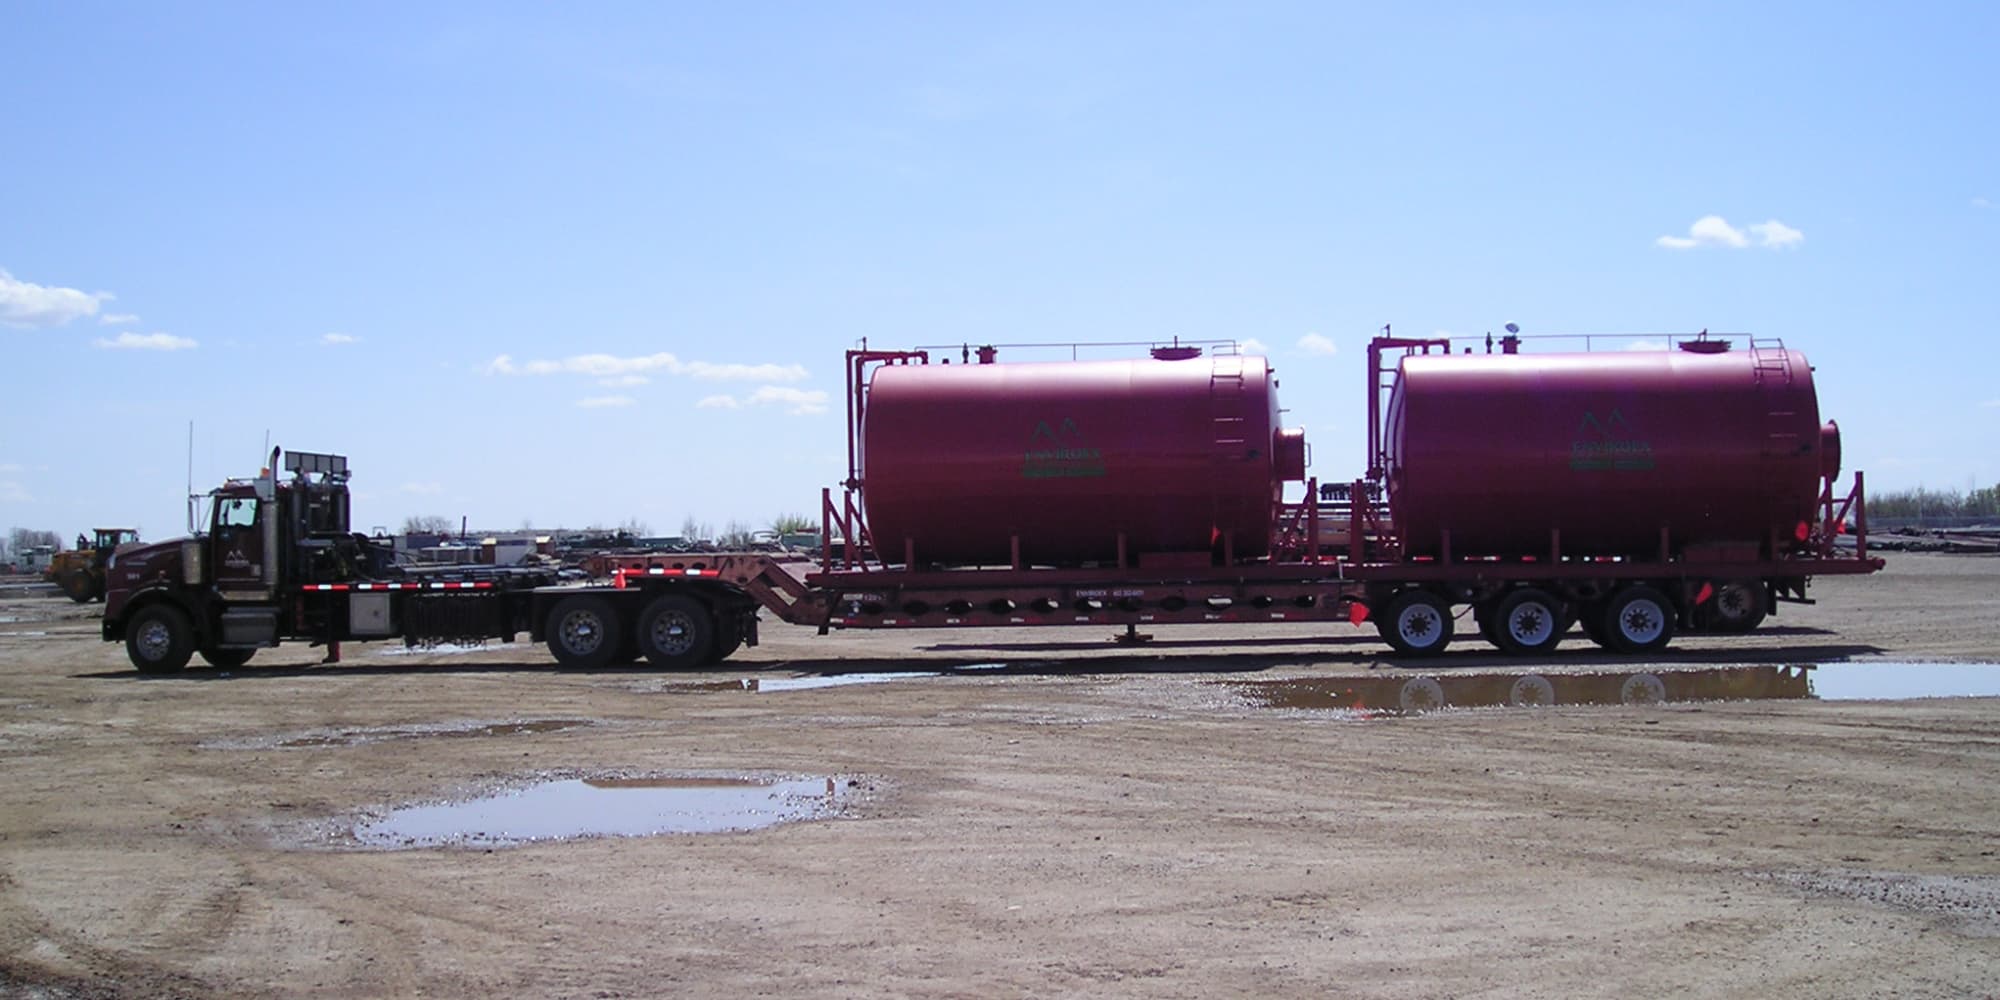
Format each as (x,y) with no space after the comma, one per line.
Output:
(159,639)
(583,633)
(676,632)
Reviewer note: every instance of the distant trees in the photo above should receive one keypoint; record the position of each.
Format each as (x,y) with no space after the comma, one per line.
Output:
(735,535)
(429,524)
(1923,502)
(791,524)
(23,539)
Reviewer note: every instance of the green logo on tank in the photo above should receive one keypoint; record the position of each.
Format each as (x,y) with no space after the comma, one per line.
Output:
(1058,451)
(1608,445)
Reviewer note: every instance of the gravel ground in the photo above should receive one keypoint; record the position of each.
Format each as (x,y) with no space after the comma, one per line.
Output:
(1009,812)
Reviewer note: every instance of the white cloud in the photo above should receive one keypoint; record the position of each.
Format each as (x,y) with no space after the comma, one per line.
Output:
(11,467)
(337,339)
(799,402)
(147,342)
(610,366)
(1776,234)
(623,381)
(13,492)
(118,319)
(422,489)
(1982,202)
(1991,404)
(26,304)
(1251,345)
(1715,231)
(1313,343)
(603,402)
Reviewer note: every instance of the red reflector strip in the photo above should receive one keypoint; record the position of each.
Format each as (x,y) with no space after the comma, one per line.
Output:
(453,585)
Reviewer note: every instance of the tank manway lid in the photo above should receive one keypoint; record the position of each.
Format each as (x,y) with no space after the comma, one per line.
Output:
(1178,352)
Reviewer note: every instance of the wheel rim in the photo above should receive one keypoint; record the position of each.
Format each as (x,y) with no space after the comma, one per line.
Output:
(1531,623)
(582,632)
(1418,625)
(155,640)
(1641,621)
(673,632)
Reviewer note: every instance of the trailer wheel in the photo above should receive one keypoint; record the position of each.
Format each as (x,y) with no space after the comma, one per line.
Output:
(1416,623)
(583,632)
(226,659)
(1638,619)
(1528,623)
(1591,618)
(79,587)
(1736,606)
(1531,691)
(1484,615)
(159,639)
(676,632)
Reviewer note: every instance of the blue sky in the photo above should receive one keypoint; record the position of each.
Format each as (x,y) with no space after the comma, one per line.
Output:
(590,263)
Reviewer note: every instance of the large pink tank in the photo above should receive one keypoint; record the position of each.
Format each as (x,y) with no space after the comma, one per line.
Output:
(962,462)
(1719,448)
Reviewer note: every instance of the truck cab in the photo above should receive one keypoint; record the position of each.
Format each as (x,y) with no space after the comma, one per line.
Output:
(223,592)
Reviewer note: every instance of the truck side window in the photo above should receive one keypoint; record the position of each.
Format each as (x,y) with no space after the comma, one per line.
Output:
(238,512)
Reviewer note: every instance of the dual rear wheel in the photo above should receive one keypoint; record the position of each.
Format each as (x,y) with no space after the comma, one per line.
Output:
(672,632)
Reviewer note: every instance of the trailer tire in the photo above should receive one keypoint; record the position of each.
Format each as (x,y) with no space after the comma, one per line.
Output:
(226,659)
(677,632)
(1638,619)
(1736,606)
(583,632)
(1528,622)
(159,639)
(1416,623)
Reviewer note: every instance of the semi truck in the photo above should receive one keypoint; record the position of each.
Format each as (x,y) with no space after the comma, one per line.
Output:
(1631,493)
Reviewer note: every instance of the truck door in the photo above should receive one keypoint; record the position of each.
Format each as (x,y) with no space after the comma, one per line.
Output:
(238,547)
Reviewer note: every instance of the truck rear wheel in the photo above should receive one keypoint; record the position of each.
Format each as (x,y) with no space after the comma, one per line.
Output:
(583,632)
(676,632)
(159,639)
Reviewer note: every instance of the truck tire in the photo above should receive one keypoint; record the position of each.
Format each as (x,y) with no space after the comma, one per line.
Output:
(583,632)
(1416,623)
(1638,619)
(159,639)
(677,632)
(1528,622)
(78,585)
(226,659)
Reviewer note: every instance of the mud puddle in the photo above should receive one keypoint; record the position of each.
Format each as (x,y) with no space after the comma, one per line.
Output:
(769,684)
(1886,680)
(1403,694)
(607,807)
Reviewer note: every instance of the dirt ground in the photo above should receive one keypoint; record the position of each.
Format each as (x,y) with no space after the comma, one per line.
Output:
(1086,820)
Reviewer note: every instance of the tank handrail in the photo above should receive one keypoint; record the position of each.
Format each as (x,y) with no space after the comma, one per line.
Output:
(1073,346)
